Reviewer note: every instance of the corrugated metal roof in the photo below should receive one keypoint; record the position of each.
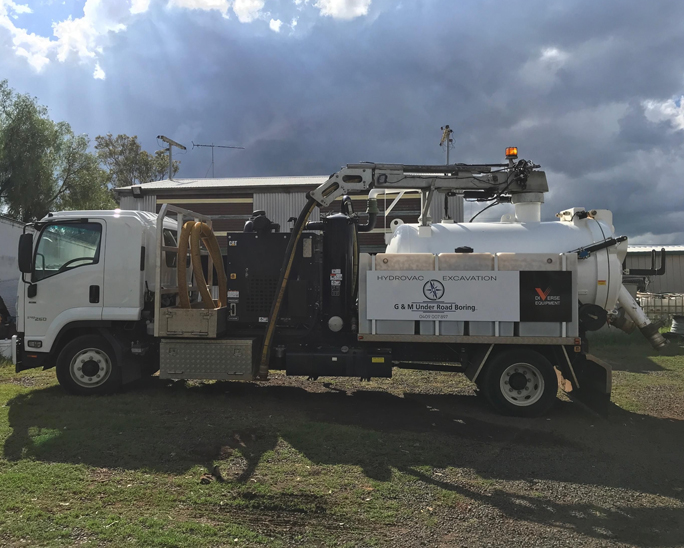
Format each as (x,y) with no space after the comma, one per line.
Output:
(646,248)
(9,220)
(223,183)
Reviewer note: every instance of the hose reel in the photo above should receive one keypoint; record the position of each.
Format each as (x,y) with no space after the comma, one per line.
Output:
(192,233)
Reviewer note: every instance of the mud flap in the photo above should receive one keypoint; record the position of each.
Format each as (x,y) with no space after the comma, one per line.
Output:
(595,379)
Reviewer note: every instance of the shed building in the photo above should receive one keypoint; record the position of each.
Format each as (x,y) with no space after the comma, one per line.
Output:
(10,230)
(230,202)
(639,256)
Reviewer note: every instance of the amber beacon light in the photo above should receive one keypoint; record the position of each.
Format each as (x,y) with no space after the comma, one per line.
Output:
(512,153)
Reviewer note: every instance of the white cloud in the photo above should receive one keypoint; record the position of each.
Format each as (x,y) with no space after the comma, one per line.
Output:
(671,111)
(673,238)
(541,73)
(98,73)
(206,5)
(293,23)
(343,9)
(247,10)
(83,36)
(16,9)
(275,25)
(139,6)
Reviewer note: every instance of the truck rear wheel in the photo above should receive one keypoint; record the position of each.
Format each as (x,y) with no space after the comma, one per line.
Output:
(87,365)
(520,382)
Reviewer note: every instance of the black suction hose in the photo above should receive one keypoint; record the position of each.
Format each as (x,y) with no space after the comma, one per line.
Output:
(282,285)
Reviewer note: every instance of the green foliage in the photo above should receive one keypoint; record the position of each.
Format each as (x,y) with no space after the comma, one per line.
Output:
(43,165)
(128,163)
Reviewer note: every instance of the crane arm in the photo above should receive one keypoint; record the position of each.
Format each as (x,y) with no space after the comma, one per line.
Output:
(517,178)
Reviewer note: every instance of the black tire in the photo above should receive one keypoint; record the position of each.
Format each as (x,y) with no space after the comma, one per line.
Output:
(528,377)
(79,371)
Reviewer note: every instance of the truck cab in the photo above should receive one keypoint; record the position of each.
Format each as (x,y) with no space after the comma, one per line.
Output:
(84,273)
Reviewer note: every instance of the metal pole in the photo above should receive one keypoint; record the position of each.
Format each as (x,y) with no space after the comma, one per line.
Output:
(212,160)
(171,144)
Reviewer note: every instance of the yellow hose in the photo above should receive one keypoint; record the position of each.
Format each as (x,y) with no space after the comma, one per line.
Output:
(182,265)
(196,231)
(209,240)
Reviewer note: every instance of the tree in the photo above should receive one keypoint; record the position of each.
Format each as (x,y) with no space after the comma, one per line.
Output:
(43,164)
(128,163)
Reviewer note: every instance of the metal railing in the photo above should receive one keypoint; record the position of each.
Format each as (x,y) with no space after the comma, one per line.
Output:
(162,268)
(661,306)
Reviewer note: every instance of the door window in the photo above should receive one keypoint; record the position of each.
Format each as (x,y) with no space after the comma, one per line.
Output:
(65,246)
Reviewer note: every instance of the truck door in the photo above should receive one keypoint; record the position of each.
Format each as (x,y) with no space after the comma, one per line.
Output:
(67,281)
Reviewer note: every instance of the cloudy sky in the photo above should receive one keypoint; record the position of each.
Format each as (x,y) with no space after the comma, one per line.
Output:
(590,90)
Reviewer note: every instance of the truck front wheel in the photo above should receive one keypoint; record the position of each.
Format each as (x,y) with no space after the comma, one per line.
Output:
(520,382)
(87,365)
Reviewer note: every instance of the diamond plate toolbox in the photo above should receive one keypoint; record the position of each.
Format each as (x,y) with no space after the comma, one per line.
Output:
(207,359)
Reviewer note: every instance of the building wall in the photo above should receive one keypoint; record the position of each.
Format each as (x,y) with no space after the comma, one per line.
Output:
(144,203)
(281,206)
(230,211)
(670,282)
(9,271)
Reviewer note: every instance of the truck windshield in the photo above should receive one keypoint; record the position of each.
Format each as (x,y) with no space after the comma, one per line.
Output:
(65,246)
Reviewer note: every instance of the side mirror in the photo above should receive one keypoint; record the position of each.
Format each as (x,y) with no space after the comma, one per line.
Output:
(25,254)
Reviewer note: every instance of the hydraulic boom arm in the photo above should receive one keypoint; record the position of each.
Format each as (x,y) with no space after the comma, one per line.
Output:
(490,179)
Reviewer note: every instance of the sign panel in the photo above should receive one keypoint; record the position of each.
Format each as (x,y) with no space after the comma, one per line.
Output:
(546,296)
(443,295)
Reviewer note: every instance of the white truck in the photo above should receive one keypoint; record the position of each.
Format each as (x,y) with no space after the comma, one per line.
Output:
(109,296)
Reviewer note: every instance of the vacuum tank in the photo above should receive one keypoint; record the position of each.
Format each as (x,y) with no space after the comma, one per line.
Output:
(599,272)
(599,275)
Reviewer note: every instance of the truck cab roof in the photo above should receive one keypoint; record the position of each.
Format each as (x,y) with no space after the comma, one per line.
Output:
(144,217)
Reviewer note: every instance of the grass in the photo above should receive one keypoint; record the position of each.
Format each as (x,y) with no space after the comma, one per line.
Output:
(639,372)
(306,464)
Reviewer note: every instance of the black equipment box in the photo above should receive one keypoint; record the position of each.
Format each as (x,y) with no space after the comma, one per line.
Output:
(253,262)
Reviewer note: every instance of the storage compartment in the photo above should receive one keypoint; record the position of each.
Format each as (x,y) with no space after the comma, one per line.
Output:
(213,359)
(192,322)
(333,363)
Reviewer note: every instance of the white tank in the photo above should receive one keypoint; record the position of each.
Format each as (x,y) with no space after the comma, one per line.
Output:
(599,276)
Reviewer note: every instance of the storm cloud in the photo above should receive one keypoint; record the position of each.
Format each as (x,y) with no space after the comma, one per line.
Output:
(590,90)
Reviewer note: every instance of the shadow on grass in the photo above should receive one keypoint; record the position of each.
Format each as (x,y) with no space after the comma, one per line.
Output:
(171,427)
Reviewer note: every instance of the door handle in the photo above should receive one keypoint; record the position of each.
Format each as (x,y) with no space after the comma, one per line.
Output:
(94,293)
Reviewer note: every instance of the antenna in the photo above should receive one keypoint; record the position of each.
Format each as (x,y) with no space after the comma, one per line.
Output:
(212,146)
(171,144)
(446,139)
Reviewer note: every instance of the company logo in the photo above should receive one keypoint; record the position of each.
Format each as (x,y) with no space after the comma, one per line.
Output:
(543,294)
(544,298)
(433,290)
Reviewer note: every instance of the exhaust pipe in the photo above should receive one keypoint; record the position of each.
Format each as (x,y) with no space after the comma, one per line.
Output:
(637,315)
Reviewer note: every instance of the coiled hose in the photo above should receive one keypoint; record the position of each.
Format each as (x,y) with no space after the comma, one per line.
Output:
(193,232)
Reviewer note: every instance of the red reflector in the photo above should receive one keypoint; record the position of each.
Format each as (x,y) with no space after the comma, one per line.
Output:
(31,355)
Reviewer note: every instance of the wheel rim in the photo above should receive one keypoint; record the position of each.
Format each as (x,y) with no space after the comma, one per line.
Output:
(90,367)
(522,384)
